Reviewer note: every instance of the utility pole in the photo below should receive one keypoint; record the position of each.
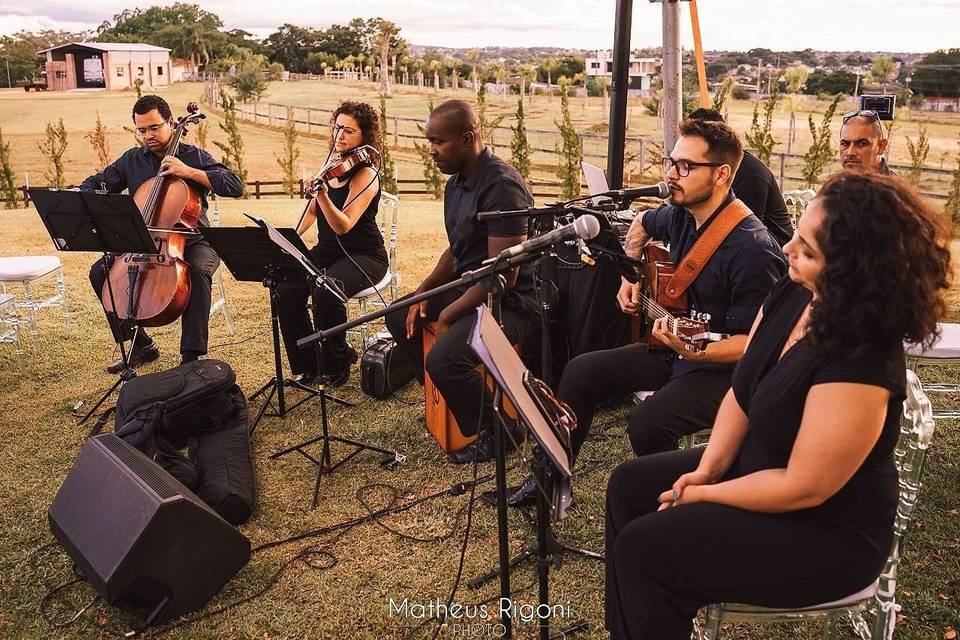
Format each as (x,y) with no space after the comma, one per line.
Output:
(9,83)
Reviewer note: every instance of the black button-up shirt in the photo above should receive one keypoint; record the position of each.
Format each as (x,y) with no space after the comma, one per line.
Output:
(139,164)
(733,283)
(492,185)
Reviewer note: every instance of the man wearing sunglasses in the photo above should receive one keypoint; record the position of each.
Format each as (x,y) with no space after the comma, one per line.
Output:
(730,287)
(153,124)
(862,143)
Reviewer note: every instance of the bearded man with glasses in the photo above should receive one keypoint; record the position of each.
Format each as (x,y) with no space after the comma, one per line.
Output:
(153,124)
(730,287)
(862,144)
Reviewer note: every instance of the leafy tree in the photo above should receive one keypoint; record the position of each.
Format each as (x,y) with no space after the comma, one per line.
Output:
(882,71)
(821,150)
(249,85)
(795,78)
(486,125)
(339,41)
(952,207)
(388,168)
(759,136)
(570,150)
(54,148)
(233,149)
(8,190)
(918,155)
(276,70)
(431,175)
(290,44)
(290,155)
(520,147)
(720,97)
(315,61)
(98,140)
(386,41)
(830,82)
(938,74)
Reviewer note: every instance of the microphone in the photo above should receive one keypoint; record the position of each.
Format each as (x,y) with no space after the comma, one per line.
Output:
(584,227)
(659,190)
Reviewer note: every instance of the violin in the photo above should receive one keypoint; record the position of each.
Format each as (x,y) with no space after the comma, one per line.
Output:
(152,290)
(364,155)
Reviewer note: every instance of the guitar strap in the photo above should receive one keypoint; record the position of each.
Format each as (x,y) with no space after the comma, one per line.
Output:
(705,246)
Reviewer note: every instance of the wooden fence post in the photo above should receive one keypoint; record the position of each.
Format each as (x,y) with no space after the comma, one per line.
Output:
(783,160)
(309,118)
(396,132)
(256,186)
(270,114)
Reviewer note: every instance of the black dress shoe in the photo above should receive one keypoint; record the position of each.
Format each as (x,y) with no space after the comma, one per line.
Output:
(140,355)
(523,496)
(307,379)
(339,377)
(481,449)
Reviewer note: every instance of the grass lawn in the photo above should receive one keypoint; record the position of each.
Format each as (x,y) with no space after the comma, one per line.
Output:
(39,441)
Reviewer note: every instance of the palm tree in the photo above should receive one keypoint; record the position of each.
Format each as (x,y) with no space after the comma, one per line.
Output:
(472,56)
(451,63)
(882,71)
(435,66)
(549,66)
(527,72)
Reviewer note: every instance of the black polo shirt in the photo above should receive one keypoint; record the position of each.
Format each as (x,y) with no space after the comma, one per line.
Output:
(139,164)
(733,283)
(757,187)
(492,185)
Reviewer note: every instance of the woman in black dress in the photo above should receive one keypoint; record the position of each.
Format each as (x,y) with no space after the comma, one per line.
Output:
(792,501)
(349,247)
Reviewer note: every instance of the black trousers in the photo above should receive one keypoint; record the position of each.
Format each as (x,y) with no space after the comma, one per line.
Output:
(680,406)
(451,363)
(663,566)
(295,319)
(195,321)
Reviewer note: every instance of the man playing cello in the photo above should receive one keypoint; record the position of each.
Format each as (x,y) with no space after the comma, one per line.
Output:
(153,122)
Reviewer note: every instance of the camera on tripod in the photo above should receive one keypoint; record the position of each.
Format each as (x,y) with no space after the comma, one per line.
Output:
(883,105)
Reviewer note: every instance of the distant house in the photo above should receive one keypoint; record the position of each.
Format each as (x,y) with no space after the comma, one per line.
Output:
(106,65)
(642,70)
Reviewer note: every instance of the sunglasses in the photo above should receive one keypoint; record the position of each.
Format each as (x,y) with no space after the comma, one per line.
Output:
(870,114)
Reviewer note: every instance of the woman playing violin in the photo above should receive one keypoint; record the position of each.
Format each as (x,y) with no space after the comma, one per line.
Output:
(349,244)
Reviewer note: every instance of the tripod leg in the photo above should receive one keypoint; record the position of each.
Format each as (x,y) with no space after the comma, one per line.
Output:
(102,399)
(266,403)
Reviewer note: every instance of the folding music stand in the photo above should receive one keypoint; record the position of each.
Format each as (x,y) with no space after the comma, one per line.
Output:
(552,456)
(251,256)
(106,223)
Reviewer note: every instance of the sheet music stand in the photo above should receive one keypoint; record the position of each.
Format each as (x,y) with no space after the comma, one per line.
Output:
(106,223)
(552,463)
(251,256)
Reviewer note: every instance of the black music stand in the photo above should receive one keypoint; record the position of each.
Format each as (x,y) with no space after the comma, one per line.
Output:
(251,256)
(106,223)
(552,462)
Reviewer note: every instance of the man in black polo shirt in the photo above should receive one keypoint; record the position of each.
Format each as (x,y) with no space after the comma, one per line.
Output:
(756,186)
(731,287)
(153,122)
(862,144)
(479,181)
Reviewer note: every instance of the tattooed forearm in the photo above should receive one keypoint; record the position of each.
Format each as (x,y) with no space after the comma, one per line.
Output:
(637,238)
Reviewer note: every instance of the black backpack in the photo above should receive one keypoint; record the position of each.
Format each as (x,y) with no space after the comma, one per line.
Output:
(197,405)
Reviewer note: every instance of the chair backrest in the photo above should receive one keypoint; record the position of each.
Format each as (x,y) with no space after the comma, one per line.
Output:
(388,220)
(916,432)
(215,209)
(796,201)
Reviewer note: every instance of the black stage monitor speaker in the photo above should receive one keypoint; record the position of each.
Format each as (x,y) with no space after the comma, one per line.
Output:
(145,542)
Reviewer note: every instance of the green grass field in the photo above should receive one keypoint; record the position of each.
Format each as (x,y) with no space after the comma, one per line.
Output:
(39,441)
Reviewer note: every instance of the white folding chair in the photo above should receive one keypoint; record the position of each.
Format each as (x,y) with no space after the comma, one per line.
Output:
(11,319)
(217,290)
(916,432)
(29,271)
(388,221)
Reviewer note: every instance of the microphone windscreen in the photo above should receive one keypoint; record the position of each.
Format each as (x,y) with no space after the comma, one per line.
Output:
(664,190)
(586,226)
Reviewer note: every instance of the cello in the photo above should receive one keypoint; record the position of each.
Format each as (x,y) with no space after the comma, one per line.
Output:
(152,290)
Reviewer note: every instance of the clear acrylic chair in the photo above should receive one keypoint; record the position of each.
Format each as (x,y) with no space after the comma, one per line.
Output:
(388,221)
(879,599)
(218,293)
(796,201)
(698,439)
(10,326)
(30,271)
(946,350)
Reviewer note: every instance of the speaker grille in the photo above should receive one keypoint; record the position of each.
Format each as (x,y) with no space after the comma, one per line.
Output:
(141,467)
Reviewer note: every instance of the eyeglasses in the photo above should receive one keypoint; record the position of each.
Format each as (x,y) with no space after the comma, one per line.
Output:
(684,166)
(153,129)
(869,114)
(347,130)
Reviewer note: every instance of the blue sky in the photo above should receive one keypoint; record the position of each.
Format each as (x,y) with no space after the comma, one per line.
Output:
(849,25)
